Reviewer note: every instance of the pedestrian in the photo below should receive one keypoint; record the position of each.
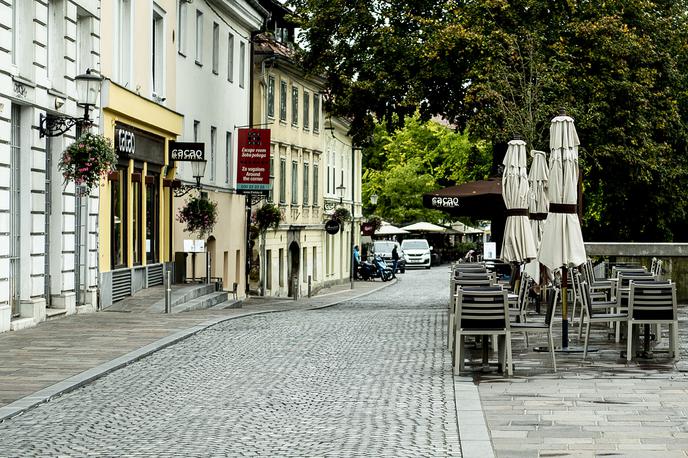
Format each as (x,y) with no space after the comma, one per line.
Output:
(357,261)
(395,261)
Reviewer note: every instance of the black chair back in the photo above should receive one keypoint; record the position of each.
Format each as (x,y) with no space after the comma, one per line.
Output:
(652,300)
(482,308)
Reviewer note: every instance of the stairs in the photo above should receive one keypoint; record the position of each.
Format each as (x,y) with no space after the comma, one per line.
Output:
(184,298)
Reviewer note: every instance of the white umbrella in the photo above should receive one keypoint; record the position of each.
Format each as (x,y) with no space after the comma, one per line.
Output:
(562,240)
(538,204)
(518,244)
(389,229)
(425,227)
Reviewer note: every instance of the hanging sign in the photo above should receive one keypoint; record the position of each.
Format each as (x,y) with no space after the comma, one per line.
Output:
(186,151)
(253,161)
(367,228)
(125,141)
(332,227)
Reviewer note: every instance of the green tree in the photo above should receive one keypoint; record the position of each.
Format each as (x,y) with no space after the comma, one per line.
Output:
(418,158)
(504,67)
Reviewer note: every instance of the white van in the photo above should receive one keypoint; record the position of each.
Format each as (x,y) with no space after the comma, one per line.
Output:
(417,253)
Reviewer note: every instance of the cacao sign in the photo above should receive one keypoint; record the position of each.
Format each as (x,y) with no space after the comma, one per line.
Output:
(332,227)
(445,202)
(125,142)
(187,151)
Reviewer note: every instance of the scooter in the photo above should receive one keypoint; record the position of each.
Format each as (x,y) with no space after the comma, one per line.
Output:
(383,272)
(375,269)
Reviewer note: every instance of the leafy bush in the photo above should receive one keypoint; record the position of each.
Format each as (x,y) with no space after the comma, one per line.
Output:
(268,216)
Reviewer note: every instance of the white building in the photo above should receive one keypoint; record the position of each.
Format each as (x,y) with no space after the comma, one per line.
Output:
(48,241)
(213,93)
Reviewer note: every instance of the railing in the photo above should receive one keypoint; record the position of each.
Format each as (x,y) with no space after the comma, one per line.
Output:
(674,255)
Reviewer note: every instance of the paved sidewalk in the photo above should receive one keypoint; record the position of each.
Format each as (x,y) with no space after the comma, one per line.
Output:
(60,355)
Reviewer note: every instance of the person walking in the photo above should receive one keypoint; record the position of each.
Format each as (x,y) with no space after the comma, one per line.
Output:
(395,261)
(357,262)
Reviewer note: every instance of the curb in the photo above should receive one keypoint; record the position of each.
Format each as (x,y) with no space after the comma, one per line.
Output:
(474,435)
(77,381)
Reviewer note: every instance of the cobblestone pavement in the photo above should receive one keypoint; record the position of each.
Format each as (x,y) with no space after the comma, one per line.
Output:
(370,377)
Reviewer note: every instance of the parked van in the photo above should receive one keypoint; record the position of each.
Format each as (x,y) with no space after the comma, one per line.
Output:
(417,253)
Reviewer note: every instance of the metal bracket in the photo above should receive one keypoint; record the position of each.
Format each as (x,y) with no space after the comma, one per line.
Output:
(54,126)
(184,190)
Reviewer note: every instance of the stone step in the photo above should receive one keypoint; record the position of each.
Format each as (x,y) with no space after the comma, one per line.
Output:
(53,313)
(202,302)
(182,296)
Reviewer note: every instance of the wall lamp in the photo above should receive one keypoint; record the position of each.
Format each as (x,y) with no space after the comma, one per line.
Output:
(197,170)
(87,90)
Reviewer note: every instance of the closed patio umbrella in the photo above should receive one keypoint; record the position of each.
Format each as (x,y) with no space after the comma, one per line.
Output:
(518,245)
(538,204)
(562,240)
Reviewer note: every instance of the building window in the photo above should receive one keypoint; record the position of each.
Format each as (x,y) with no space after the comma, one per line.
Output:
(123,42)
(228,158)
(196,129)
(15,204)
(158,58)
(283,181)
(315,264)
(280,260)
(118,226)
(304,260)
(181,27)
(213,153)
(230,58)
(83,41)
(283,101)
(242,63)
(216,47)
(315,185)
(55,43)
(316,112)
(294,106)
(271,195)
(306,109)
(271,96)
(305,183)
(199,37)
(294,183)
(268,269)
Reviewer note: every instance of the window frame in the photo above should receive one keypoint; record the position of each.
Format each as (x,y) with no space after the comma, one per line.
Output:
(271,96)
(199,37)
(230,57)
(316,112)
(306,184)
(242,64)
(294,182)
(216,48)
(283,181)
(283,101)
(294,105)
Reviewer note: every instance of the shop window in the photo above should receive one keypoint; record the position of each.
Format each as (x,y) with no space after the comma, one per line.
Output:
(136,216)
(118,202)
(152,219)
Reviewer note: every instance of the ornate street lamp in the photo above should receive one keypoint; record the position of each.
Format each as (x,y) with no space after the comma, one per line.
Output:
(340,190)
(87,90)
(197,170)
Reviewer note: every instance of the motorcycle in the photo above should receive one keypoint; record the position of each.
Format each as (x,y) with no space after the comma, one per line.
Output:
(376,269)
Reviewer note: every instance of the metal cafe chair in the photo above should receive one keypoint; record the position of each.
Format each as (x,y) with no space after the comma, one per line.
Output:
(482,312)
(484,280)
(652,303)
(540,326)
(596,317)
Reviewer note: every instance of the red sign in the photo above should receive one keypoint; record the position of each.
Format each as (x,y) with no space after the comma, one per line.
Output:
(367,229)
(253,165)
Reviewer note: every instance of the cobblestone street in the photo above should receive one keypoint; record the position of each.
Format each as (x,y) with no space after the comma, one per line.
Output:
(369,377)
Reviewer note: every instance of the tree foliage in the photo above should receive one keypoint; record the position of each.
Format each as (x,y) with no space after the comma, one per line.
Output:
(420,157)
(504,67)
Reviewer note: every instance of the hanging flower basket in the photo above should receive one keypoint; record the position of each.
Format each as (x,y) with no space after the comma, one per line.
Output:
(86,160)
(341,214)
(268,216)
(199,215)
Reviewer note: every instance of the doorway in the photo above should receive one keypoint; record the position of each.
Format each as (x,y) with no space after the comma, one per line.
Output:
(294,264)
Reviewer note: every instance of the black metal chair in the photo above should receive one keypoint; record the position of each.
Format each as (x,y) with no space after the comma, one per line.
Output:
(652,303)
(482,312)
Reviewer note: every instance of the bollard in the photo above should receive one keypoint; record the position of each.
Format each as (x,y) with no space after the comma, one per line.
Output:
(207,267)
(168,291)
(310,285)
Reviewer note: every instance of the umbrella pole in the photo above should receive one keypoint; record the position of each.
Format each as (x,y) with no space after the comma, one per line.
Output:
(564,309)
